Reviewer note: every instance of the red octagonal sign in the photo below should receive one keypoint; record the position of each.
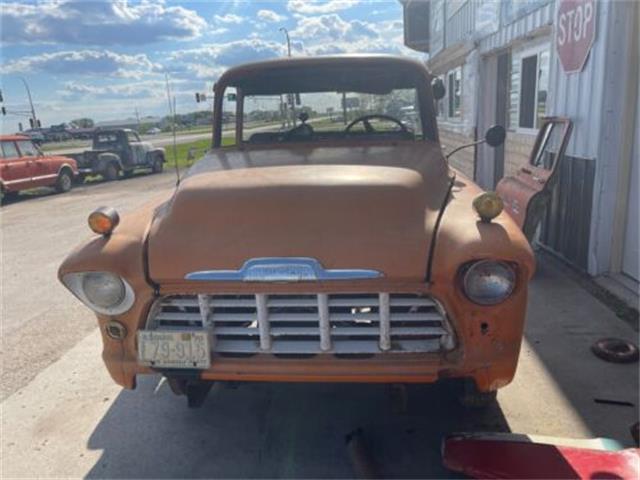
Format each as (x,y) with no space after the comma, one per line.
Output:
(575,32)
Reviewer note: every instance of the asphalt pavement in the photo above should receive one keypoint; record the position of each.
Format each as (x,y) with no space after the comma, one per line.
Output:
(62,416)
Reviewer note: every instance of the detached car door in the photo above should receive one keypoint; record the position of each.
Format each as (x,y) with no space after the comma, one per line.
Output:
(14,170)
(40,169)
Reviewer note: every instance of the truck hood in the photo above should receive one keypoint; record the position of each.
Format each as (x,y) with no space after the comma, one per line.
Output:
(356,207)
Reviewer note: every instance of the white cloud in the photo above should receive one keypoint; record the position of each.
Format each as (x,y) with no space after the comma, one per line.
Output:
(85,62)
(270,16)
(332,28)
(319,6)
(228,18)
(148,89)
(209,61)
(97,22)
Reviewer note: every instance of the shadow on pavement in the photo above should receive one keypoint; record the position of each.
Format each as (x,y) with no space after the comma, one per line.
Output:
(280,430)
(563,321)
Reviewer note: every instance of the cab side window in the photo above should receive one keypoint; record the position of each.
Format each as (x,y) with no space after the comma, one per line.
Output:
(9,150)
(27,148)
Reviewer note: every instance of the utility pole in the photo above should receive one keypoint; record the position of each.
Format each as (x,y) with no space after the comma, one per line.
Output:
(34,119)
(290,98)
(138,119)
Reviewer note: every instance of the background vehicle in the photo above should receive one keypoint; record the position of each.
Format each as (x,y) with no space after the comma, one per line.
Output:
(116,152)
(24,166)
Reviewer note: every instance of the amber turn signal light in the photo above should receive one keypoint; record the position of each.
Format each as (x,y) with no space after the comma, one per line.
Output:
(488,205)
(104,220)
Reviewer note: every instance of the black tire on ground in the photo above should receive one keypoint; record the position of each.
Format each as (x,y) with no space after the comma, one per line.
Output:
(8,197)
(110,172)
(470,397)
(127,173)
(157,165)
(64,183)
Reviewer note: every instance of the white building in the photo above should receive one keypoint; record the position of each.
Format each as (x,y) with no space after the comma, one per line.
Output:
(499,61)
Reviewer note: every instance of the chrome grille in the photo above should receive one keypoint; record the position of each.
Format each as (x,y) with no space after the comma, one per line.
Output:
(310,323)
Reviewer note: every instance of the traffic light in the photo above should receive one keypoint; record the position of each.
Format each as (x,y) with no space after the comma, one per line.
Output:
(31,122)
(1,97)
(4,111)
(39,124)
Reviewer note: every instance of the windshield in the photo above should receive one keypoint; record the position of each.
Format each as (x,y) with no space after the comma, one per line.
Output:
(326,116)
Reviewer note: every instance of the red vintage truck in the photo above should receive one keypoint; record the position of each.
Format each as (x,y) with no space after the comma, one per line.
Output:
(24,166)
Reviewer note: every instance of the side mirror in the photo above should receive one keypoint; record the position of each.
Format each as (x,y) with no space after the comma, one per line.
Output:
(231,97)
(437,86)
(495,136)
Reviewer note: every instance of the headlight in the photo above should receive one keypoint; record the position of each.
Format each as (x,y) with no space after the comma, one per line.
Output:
(488,282)
(104,292)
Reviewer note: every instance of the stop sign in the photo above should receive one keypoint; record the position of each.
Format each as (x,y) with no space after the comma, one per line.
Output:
(575,32)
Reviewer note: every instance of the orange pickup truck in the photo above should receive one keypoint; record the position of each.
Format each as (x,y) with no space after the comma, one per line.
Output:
(24,166)
(341,247)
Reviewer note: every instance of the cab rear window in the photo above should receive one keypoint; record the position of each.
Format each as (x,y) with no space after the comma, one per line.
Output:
(8,149)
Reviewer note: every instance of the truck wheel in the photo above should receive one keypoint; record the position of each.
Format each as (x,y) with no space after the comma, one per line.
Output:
(127,173)
(64,182)
(111,172)
(157,165)
(470,397)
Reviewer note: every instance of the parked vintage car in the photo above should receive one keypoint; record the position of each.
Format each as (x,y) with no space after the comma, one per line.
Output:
(24,166)
(320,253)
(116,152)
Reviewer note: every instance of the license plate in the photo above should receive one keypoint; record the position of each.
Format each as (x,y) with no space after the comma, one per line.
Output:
(180,349)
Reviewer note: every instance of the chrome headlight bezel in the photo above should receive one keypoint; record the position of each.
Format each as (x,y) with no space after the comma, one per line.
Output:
(498,275)
(75,283)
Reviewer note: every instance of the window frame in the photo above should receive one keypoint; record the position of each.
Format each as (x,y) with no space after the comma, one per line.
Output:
(520,57)
(450,98)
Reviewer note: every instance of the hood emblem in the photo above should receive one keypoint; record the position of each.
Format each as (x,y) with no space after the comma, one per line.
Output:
(282,269)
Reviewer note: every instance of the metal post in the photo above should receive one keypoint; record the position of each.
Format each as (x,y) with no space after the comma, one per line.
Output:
(33,110)
(290,96)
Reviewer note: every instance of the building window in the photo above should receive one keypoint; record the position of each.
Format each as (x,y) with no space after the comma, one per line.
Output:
(529,88)
(454,89)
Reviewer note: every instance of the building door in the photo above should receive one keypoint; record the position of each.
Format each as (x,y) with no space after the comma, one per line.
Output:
(630,255)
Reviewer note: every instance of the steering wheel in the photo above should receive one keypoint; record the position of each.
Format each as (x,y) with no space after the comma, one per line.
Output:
(367,124)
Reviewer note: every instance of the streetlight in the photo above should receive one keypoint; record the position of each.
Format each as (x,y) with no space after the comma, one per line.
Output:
(286,33)
(290,100)
(33,110)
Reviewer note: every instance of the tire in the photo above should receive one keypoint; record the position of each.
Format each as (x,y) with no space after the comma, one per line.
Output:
(615,350)
(473,399)
(111,172)
(157,166)
(127,173)
(64,183)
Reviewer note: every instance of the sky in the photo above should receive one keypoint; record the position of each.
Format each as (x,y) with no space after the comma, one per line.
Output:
(105,59)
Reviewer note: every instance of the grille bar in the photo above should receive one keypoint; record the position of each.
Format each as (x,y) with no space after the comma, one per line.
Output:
(310,323)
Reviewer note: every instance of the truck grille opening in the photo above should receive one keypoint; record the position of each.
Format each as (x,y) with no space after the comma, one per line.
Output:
(310,324)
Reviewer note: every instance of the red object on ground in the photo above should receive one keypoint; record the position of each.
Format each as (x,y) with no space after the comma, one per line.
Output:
(508,458)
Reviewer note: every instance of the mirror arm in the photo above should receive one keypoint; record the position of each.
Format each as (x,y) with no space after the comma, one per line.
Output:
(478,142)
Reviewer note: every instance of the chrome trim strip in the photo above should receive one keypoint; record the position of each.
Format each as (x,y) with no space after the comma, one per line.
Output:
(263,321)
(385,322)
(282,269)
(324,322)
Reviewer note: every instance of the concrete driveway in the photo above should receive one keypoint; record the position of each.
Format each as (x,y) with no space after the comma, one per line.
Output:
(63,417)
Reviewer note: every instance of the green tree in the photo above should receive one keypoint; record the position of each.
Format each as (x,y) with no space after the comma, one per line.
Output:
(83,123)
